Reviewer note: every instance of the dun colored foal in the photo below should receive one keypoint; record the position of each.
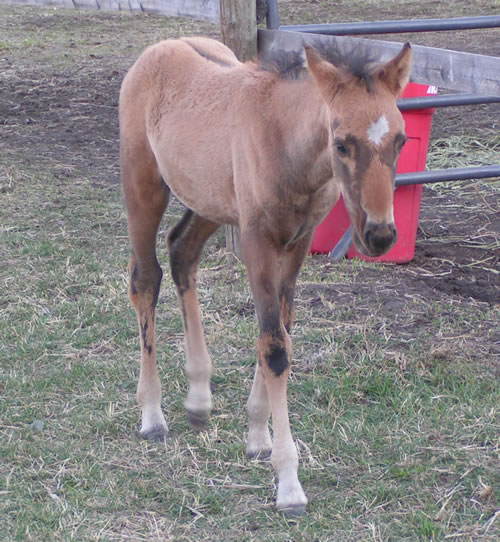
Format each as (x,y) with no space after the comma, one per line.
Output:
(267,146)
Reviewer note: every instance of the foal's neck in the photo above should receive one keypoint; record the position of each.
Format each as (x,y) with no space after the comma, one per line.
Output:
(303,120)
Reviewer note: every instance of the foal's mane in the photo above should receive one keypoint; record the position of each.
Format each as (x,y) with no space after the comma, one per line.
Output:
(354,60)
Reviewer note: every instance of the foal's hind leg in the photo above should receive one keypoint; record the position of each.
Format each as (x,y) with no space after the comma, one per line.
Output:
(185,242)
(146,196)
(259,442)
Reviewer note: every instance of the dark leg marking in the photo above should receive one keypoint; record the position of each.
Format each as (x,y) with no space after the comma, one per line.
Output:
(277,358)
(273,343)
(144,331)
(179,227)
(140,284)
(133,280)
(177,263)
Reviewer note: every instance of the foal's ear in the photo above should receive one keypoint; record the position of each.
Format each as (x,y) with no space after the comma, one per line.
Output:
(395,74)
(327,77)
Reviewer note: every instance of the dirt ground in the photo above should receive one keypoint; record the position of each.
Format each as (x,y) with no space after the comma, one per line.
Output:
(65,118)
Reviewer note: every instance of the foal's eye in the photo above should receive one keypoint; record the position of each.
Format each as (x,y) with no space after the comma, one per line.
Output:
(401,143)
(340,148)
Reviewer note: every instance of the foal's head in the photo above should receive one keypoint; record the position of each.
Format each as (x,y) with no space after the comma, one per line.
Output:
(367,133)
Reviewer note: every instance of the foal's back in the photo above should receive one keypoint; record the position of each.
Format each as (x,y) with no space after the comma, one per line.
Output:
(179,63)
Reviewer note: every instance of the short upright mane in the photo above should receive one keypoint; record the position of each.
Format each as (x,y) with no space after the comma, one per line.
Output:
(354,60)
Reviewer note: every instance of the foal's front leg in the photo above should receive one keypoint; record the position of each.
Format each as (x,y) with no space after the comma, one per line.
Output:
(269,390)
(259,442)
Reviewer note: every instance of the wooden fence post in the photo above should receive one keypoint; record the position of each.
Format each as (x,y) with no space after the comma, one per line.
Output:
(238,19)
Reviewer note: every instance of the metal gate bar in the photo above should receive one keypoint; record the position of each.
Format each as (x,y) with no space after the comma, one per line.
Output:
(445,100)
(397,27)
(452,174)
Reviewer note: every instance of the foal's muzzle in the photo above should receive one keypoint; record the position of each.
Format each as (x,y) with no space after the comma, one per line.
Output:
(379,238)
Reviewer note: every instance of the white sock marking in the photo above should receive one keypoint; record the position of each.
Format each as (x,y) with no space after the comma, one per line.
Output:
(378,130)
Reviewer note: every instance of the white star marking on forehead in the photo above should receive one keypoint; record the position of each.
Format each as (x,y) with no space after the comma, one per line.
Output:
(378,130)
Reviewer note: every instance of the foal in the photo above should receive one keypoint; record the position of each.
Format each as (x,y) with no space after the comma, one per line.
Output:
(268,150)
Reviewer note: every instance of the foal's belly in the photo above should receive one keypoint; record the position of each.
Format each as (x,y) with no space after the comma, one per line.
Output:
(195,163)
(207,192)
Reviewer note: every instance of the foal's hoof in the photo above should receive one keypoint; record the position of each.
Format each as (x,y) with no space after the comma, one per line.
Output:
(261,455)
(291,499)
(293,510)
(198,420)
(157,433)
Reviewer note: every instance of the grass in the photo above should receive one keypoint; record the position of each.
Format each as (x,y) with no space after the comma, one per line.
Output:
(394,444)
(394,406)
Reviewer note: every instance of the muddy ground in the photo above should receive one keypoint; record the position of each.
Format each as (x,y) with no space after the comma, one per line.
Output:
(60,112)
